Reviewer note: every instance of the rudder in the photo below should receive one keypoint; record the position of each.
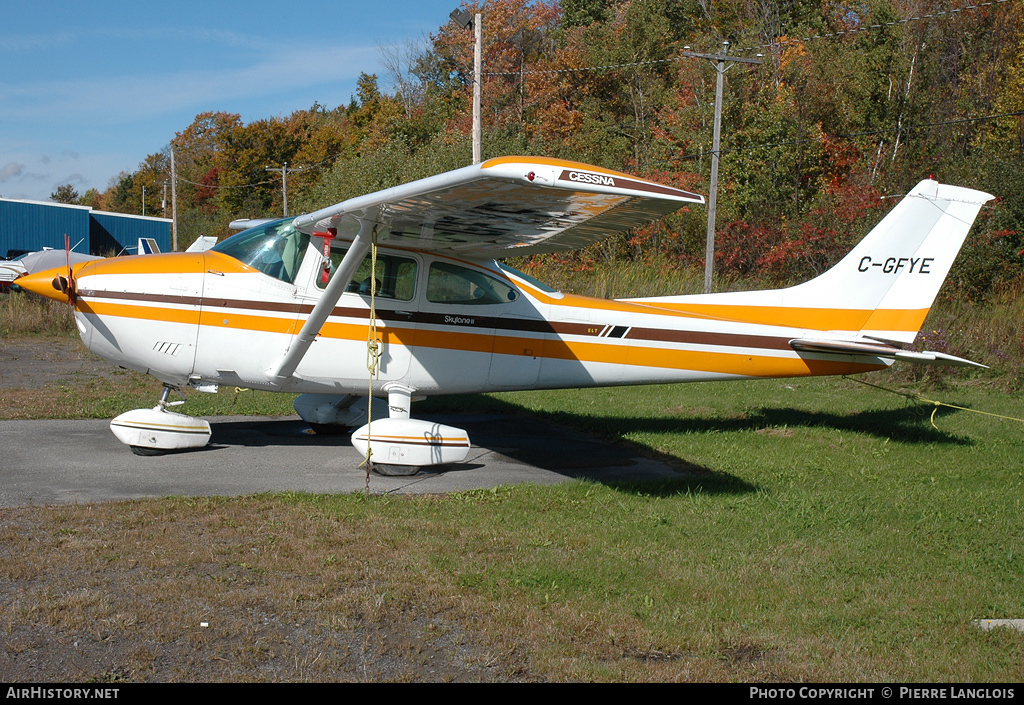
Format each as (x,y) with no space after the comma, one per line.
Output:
(883,288)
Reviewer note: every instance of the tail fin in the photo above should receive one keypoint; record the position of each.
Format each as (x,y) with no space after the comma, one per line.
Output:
(148,246)
(883,288)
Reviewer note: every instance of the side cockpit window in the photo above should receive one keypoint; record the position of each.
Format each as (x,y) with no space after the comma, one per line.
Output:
(395,276)
(451,284)
(276,249)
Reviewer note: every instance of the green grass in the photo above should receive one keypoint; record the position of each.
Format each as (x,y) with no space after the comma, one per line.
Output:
(91,397)
(826,532)
(24,314)
(836,532)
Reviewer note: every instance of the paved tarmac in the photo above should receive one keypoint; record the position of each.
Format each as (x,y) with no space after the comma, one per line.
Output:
(59,461)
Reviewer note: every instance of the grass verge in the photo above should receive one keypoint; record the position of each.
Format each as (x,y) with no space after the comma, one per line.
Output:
(833,535)
(24,314)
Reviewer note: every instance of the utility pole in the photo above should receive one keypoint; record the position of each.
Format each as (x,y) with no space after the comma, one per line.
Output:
(720,65)
(174,203)
(464,19)
(284,170)
(478,31)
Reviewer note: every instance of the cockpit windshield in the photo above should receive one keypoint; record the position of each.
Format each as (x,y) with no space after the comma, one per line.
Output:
(274,248)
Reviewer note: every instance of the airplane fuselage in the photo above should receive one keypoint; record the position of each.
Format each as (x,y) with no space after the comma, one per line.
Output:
(444,326)
(397,294)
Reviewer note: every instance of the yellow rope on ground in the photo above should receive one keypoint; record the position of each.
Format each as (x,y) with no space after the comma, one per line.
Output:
(913,396)
(372,354)
(238,390)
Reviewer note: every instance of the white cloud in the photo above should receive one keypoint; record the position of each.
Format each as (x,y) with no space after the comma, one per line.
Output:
(11,170)
(129,98)
(49,42)
(94,93)
(74,179)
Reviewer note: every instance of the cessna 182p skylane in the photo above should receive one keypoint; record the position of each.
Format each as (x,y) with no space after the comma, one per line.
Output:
(292,305)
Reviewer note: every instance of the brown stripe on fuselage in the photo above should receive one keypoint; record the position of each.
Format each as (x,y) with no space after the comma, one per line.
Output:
(467,323)
(727,360)
(737,340)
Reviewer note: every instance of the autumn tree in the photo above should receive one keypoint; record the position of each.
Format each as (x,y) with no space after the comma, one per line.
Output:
(65,193)
(851,103)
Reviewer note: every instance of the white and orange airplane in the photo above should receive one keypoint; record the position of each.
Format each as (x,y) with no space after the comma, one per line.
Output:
(406,279)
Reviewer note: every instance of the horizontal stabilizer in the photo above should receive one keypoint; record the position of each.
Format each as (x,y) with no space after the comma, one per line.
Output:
(873,348)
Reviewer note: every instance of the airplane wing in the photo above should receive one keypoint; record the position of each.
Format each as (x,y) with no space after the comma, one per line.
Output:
(246,223)
(48,259)
(873,348)
(505,207)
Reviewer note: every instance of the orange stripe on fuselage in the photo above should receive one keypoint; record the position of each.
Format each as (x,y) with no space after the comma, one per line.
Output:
(243,321)
(213,319)
(782,316)
(732,363)
(745,363)
(802,317)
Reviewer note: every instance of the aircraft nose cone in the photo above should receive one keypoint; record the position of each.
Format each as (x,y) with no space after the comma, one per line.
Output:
(51,283)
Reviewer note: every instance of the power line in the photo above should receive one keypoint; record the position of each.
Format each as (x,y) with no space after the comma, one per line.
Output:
(707,151)
(868,133)
(284,171)
(867,28)
(183,180)
(314,167)
(831,35)
(689,55)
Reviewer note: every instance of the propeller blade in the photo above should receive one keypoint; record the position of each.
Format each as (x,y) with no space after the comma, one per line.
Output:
(68,285)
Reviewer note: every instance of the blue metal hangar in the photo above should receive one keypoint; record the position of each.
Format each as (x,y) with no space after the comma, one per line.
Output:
(28,226)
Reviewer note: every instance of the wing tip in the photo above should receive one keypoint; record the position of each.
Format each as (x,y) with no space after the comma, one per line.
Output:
(564,173)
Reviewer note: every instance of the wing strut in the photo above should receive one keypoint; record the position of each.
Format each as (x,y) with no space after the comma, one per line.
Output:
(285,368)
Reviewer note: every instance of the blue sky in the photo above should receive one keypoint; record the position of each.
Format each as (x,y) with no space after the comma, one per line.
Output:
(88,89)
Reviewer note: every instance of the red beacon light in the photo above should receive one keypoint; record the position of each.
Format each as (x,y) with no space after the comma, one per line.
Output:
(331,233)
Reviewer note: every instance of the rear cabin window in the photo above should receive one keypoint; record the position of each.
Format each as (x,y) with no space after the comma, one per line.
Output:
(396,276)
(451,284)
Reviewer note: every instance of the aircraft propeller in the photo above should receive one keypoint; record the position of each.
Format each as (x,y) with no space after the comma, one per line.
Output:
(66,285)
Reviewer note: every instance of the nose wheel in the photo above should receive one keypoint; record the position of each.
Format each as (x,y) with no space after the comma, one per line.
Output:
(157,431)
(147,452)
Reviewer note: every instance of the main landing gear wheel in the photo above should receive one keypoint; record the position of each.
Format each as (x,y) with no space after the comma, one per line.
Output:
(388,470)
(148,452)
(408,445)
(329,429)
